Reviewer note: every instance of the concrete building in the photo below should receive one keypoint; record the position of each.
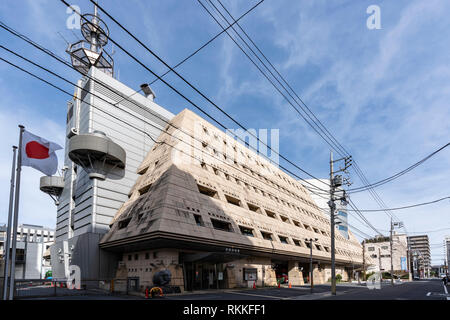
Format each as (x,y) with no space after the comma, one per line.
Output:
(379,250)
(420,248)
(32,243)
(322,198)
(447,251)
(218,215)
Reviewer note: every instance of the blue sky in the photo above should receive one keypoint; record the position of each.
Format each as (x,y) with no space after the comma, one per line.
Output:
(384,93)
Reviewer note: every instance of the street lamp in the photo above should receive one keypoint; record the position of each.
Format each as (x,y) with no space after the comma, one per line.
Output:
(310,241)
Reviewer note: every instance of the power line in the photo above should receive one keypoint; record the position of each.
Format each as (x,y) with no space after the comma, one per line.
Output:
(185,81)
(100,109)
(389,179)
(50,53)
(405,207)
(334,143)
(198,50)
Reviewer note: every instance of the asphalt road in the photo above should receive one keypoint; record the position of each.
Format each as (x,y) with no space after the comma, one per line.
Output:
(417,290)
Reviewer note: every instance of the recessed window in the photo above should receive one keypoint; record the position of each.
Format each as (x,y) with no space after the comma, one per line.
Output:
(327,249)
(144,189)
(253,208)
(136,257)
(296,223)
(147,255)
(207,191)
(124,223)
(271,214)
(283,239)
(203,165)
(316,230)
(216,171)
(198,219)
(284,219)
(266,235)
(233,200)
(246,231)
(227,176)
(318,247)
(130,257)
(297,242)
(221,225)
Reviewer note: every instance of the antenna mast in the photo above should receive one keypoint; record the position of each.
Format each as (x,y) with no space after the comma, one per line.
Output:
(90,52)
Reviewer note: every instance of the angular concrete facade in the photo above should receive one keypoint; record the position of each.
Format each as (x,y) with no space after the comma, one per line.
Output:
(217,215)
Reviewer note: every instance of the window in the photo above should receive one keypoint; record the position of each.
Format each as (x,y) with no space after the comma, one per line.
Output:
(129,257)
(284,219)
(147,255)
(384,247)
(203,165)
(307,227)
(283,239)
(253,208)
(246,231)
(221,225)
(136,257)
(227,176)
(198,220)
(266,235)
(296,223)
(297,242)
(316,230)
(124,223)
(318,247)
(327,249)
(207,191)
(144,189)
(271,214)
(233,200)
(216,171)
(371,249)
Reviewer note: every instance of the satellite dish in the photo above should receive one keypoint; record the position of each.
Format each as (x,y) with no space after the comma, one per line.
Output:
(53,186)
(97,154)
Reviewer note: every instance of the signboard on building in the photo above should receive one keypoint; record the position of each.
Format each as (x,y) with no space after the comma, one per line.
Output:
(403,265)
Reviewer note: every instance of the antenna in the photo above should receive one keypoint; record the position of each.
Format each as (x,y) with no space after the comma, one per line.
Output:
(90,52)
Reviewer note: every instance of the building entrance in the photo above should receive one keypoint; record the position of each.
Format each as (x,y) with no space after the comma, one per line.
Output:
(281,271)
(203,276)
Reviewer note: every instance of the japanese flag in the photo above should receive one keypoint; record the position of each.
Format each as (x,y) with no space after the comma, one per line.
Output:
(39,153)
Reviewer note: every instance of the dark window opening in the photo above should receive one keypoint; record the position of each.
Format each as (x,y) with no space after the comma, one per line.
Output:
(285,219)
(318,247)
(207,191)
(124,223)
(129,257)
(246,231)
(144,189)
(296,223)
(253,208)
(266,235)
(147,255)
(221,225)
(271,214)
(297,242)
(136,257)
(283,240)
(233,200)
(198,220)
(203,165)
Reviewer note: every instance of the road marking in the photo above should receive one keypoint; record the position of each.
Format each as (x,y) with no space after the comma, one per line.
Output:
(428,294)
(257,295)
(445,289)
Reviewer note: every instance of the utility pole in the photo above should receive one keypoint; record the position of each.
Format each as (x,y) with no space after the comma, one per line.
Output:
(335,182)
(392,263)
(311,276)
(332,208)
(364,260)
(379,258)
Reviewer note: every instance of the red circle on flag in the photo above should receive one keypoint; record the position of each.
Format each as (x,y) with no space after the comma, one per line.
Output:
(35,150)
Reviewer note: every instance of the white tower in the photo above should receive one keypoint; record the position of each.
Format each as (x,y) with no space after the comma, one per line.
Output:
(106,121)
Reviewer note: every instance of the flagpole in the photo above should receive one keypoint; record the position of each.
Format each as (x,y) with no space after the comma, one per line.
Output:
(8,232)
(16,216)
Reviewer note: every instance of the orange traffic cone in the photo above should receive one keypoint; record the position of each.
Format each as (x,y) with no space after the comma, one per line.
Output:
(290,286)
